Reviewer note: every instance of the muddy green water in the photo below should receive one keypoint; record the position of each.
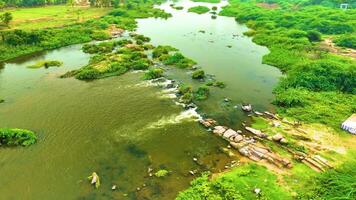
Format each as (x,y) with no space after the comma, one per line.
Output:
(120,126)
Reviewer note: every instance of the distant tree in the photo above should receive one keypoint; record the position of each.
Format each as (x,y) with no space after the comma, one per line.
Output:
(6,18)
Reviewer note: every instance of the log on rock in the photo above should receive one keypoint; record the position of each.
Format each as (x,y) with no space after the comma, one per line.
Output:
(256,132)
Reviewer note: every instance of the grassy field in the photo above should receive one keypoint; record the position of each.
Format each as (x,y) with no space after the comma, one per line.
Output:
(52,16)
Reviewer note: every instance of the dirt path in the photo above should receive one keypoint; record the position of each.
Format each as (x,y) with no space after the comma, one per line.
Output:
(328,44)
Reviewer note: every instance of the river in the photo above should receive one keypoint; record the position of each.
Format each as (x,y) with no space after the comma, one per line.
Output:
(119,126)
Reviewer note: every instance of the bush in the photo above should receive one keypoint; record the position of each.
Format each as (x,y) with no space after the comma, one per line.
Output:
(314,36)
(87,74)
(162,50)
(15,136)
(141,64)
(201,93)
(153,73)
(179,60)
(198,74)
(348,41)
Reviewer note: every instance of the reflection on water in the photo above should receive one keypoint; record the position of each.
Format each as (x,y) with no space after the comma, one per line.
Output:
(119,128)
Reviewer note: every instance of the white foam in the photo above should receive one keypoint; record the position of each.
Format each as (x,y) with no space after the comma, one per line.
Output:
(184,116)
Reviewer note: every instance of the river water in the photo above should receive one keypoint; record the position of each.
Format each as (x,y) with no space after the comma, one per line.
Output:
(119,126)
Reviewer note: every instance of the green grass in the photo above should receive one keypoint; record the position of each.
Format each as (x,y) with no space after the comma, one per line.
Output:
(239,183)
(199,9)
(52,16)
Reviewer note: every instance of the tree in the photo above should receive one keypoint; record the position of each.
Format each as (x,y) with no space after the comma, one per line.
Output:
(2,5)
(6,18)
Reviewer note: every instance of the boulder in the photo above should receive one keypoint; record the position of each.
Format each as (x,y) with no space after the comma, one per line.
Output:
(229,133)
(283,141)
(256,132)
(219,130)
(238,138)
(278,137)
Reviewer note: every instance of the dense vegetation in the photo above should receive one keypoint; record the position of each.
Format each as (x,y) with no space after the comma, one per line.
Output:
(14,43)
(245,182)
(319,86)
(14,136)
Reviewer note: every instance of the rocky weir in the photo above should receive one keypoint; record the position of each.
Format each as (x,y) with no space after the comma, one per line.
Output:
(253,148)
(247,146)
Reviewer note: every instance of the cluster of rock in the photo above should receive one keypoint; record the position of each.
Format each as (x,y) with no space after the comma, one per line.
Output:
(247,146)
(315,162)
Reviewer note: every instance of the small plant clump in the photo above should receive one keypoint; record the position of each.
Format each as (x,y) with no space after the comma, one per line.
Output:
(160,51)
(153,73)
(198,74)
(161,173)
(15,136)
(2,100)
(201,93)
(46,64)
(199,9)
(179,61)
(218,84)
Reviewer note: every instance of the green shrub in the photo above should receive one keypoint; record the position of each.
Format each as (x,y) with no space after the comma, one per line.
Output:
(348,41)
(162,50)
(100,35)
(179,60)
(314,36)
(87,74)
(201,93)
(153,73)
(141,64)
(198,74)
(14,136)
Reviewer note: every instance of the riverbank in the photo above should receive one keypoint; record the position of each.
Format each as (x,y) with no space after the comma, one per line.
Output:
(22,42)
(313,104)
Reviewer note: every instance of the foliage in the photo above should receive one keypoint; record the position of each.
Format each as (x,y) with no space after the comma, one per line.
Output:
(199,9)
(201,93)
(6,18)
(161,173)
(239,183)
(218,84)
(336,183)
(198,74)
(20,42)
(319,87)
(162,50)
(15,136)
(314,36)
(179,61)
(329,108)
(46,64)
(153,73)
(348,41)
